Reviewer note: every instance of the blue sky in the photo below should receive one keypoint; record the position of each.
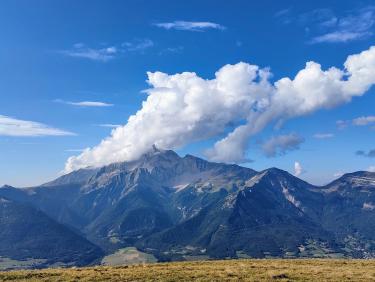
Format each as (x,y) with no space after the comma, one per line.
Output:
(77,67)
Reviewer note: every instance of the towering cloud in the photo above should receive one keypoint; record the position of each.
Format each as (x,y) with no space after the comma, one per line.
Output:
(184,108)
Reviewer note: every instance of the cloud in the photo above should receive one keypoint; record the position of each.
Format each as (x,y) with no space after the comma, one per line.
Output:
(369,154)
(281,144)
(371,168)
(323,135)
(324,26)
(85,103)
(341,124)
(138,44)
(340,36)
(79,50)
(298,170)
(354,26)
(338,174)
(109,125)
(174,50)
(240,99)
(23,128)
(190,26)
(359,121)
(74,150)
(362,121)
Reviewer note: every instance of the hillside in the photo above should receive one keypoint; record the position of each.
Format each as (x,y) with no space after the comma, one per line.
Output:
(28,237)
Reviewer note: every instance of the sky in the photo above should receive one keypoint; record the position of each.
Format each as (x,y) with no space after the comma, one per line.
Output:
(87,83)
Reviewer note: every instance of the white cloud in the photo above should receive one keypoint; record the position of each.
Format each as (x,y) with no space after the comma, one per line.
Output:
(362,121)
(15,127)
(85,103)
(79,50)
(338,174)
(323,135)
(191,26)
(74,150)
(354,26)
(279,145)
(138,44)
(340,36)
(298,170)
(359,121)
(109,125)
(184,108)
(371,168)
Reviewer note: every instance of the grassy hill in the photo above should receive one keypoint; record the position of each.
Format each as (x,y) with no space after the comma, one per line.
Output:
(224,270)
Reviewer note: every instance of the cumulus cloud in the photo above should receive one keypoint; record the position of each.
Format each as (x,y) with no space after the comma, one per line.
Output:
(240,99)
(371,168)
(190,26)
(369,154)
(16,127)
(85,103)
(280,145)
(298,170)
(323,135)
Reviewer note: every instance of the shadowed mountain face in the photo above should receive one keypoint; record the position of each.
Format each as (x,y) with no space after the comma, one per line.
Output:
(183,207)
(27,233)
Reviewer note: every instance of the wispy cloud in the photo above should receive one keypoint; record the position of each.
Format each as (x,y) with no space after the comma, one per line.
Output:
(280,145)
(354,26)
(74,150)
(325,26)
(110,52)
(369,154)
(323,135)
(338,174)
(173,50)
(359,121)
(85,103)
(79,50)
(23,128)
(138,44)
(364,120)
(109,125)
(190,26)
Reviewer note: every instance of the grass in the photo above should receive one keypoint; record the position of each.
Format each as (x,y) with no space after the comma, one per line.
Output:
(128,256)
(224,270)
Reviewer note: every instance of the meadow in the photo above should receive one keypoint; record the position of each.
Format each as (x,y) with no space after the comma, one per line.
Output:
(223,270)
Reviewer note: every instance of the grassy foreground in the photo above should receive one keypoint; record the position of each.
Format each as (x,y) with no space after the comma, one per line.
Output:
(228,270)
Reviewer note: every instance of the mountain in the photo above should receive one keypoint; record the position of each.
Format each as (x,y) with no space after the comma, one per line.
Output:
(28,234)
(180,208)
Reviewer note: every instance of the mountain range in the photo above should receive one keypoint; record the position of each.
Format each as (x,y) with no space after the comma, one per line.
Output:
(182,208)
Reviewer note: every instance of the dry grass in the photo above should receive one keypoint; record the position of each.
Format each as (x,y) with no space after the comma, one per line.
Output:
(224,270)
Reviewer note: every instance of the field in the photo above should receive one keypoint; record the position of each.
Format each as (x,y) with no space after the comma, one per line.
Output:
(228,270)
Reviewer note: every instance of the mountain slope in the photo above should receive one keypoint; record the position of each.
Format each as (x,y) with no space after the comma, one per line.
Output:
(185,207)
(28,233)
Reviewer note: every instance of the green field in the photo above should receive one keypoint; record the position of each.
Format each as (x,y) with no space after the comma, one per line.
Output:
(224,270)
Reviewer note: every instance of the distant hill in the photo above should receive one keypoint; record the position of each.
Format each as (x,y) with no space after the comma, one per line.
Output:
(179,208)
